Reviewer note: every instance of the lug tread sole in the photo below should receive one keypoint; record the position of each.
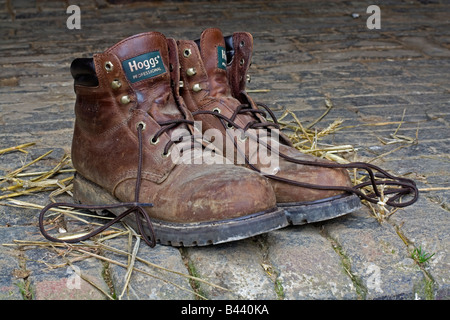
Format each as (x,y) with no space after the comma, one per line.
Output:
(300,213)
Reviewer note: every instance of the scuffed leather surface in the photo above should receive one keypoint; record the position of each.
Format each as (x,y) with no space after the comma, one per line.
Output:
(220,89)
(105,144)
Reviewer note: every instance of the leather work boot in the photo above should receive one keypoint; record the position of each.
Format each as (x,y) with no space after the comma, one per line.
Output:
(214,91)
(127,107)
(394,191)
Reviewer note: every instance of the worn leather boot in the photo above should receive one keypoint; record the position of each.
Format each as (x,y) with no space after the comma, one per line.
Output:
(309,189)
(211,88)
(127,107)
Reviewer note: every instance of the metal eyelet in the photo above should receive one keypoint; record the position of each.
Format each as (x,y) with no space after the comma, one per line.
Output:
(109,66)
(196,87)
(217,110)
(165,155)
(243,137)
(242,44)
(191,72)
(140,124)
(187,53)
(242,61)
(116,84)
(125,99)
(153,141)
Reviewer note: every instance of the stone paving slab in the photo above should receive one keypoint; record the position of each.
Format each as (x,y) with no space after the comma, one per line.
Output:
(155,283)
(376,258)
(308,266)
(426,226)
(240,267)
(305,52)
(10,280)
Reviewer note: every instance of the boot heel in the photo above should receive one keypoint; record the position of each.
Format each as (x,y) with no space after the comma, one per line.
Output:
(87,192)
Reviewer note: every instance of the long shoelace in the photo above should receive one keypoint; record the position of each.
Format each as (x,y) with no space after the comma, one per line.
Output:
(135,207)
(401,186)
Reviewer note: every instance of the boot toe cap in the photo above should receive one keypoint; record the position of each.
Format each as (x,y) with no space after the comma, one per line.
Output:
(202,193)
(315,175)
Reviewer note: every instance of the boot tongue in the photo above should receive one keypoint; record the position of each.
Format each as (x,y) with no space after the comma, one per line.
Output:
(145,61)
(213,52)
(143,57)
(212,48)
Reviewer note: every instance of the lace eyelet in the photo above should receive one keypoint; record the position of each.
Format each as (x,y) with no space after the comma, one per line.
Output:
(243,137)
(116,84)
(125,99)
(140,124)
(217,110)
(197,87)
(191,72)
(109,66)
(165,155)
(153,141)
(187,53)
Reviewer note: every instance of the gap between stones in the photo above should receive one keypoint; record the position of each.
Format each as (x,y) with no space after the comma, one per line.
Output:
(361,289)
(270,271)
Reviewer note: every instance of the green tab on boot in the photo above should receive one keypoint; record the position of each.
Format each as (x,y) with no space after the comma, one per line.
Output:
(221,58)
(145,66)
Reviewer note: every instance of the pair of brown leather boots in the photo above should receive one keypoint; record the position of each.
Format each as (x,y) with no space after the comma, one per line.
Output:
(166,130)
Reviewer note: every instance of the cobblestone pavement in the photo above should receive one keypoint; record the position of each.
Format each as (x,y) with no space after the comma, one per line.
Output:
(305,53)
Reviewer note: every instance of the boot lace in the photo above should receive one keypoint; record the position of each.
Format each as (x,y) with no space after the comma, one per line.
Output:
(378,178)
(136,207)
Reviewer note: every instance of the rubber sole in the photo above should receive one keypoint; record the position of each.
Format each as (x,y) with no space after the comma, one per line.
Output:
(186,234)
(300,213)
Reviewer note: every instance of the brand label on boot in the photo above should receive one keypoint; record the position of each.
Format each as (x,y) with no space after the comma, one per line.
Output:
(144,66)
(221,58)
